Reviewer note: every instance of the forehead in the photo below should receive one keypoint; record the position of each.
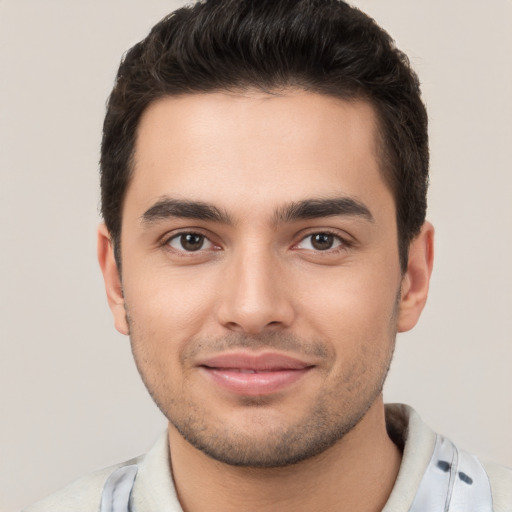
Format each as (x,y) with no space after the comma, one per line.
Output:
(255,149)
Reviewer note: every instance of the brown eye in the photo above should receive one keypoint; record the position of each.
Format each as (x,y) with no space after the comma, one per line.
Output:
(189,242)
(322,241)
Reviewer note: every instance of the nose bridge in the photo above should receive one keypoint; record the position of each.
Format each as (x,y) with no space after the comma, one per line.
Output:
(254,296)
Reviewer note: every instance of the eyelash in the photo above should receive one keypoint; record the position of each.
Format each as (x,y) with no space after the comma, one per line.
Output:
(167,240)
(344,244)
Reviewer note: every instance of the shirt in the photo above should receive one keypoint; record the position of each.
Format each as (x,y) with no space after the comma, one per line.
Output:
(434,475)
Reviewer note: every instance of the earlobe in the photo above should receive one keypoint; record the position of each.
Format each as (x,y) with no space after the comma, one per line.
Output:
(415,282)
(112,279)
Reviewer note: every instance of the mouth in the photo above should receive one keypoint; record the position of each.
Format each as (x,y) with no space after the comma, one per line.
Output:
(254,374)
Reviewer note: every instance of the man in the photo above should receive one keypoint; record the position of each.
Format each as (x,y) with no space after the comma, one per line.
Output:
(264,174)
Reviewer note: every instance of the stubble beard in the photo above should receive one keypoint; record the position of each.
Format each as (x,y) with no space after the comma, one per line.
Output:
(316,433)
(334,414)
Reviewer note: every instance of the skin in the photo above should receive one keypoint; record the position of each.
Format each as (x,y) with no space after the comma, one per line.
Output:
(259,283)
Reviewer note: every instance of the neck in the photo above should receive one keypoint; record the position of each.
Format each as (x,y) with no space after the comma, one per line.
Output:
(357,473)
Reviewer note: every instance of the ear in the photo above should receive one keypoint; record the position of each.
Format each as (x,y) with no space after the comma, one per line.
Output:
(112,279)
(415,282)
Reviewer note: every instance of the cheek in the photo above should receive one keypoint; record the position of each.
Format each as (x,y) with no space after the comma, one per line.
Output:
(168,306)
(351,304)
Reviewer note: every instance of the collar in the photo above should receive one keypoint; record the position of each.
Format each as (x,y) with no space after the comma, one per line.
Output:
(434,476)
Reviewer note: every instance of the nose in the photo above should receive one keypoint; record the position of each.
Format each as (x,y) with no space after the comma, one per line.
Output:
(255,297)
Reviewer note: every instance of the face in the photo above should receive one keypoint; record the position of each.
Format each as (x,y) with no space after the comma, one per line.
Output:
(261,278)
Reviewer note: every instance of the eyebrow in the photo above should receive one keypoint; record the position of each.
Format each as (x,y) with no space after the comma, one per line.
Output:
(167,207)
(317,208)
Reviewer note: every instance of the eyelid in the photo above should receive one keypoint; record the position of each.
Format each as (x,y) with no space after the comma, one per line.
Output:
(164,240)
(345,240)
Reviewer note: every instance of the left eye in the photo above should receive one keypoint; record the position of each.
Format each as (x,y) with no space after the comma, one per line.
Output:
(189,242)
(320,242)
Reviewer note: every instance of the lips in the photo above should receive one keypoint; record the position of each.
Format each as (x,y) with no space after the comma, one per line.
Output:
(254,374)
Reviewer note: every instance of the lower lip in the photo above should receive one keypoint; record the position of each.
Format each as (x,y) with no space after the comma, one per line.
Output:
(255,384)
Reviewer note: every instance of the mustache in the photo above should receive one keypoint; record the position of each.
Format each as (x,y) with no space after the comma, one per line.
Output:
(284,342)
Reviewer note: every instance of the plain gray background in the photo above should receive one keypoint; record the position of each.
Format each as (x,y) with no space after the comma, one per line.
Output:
(72,400)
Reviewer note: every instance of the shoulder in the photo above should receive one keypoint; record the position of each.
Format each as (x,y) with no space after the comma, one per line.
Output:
(419,474)
(83,495)
(500,478)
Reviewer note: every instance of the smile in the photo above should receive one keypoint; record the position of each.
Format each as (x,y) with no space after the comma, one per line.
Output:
(254,375)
